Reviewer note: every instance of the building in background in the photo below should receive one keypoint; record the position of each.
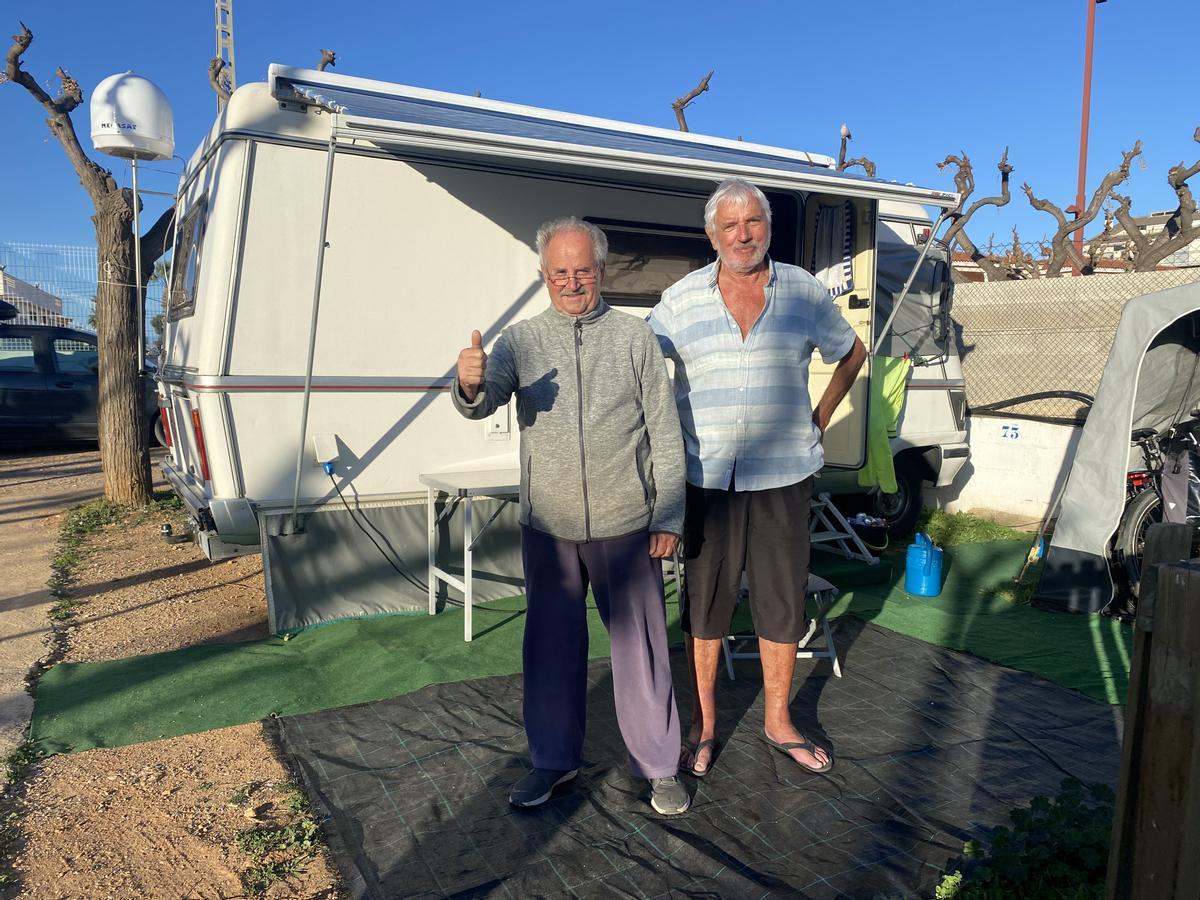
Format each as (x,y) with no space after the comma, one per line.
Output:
(1119,247)
(34,306)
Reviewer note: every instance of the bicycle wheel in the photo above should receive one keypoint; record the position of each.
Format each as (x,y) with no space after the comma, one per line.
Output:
(1144,511)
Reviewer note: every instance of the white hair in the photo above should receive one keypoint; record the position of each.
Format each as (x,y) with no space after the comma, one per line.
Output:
(735,190)
(552,229)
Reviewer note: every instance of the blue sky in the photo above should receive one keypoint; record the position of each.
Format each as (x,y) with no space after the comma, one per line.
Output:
(913,80)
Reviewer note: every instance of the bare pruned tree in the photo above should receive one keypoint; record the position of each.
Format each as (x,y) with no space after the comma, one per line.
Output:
(1020,260)
(1095,247)
(994,268)
(123,428)
(328,58)
(1062,250)
(843,164)
(682,103)
(220,84)
(1181,227)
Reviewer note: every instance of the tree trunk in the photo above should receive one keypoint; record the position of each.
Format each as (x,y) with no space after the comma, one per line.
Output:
(124,430)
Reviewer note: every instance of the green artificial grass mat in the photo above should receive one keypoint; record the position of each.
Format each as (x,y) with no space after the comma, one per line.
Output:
(975,612)
(143,698)
(107,704)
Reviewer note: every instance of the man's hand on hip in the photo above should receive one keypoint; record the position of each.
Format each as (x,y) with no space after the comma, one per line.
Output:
(472,363)
(663,544)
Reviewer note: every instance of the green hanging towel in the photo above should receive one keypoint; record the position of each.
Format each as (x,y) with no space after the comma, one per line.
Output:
(889,377)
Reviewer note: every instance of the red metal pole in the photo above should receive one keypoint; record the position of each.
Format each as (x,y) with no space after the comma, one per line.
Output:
(1083,125)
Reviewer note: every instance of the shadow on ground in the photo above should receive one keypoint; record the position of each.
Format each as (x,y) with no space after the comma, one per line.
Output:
(927,740)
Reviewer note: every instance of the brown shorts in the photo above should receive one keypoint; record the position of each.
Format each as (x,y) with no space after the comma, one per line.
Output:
(764,533)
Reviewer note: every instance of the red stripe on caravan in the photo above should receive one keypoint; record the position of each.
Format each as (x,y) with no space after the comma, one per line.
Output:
(331,387)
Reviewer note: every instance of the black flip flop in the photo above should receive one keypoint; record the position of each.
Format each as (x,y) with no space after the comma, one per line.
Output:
(805,745)
(694,749)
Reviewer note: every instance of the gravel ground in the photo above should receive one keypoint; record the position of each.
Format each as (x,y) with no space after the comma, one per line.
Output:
(153,819)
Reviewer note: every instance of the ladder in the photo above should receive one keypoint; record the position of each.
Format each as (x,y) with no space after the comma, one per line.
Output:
(224,26)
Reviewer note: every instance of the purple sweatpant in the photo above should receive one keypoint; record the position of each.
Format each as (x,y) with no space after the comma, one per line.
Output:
(628,588)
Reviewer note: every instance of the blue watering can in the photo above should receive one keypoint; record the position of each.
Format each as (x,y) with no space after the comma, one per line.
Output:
(923,568)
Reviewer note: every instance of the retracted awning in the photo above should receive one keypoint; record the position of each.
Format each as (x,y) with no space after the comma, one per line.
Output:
(399,116)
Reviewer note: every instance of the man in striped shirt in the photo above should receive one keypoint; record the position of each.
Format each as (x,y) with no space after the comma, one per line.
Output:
(741,333)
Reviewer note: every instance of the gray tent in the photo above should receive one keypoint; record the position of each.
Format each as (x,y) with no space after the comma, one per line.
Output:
(1151,380)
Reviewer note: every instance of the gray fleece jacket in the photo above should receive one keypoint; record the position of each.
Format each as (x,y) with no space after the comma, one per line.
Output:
(601,450)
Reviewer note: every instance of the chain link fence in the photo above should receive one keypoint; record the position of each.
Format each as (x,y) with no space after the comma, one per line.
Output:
(1113,255)
(1022,340)
(55,284)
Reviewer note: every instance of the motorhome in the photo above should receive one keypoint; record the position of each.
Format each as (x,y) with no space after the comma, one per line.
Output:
(338,239)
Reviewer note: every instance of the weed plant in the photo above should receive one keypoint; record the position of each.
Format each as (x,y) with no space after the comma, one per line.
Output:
(279,852)
(1056,849)
(78,523)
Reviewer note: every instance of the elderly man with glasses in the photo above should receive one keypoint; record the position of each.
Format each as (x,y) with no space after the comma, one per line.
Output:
(741,333)
(602,493)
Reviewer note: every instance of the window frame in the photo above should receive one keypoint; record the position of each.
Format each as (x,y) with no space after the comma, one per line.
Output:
(33,355)
(54,356)
(189,242)
(623,227)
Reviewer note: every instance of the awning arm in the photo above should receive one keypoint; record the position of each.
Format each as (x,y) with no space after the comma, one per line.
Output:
(316,306)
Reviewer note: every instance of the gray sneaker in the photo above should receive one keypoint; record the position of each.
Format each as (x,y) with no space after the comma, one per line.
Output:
(668,796)
(538,785)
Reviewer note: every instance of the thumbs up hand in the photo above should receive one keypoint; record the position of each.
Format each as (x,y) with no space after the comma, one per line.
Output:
(472,362)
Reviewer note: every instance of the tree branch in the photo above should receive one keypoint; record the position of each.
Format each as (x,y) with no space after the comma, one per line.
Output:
(1181,228)
(681,103)
(156,242)
(71,95)
(1046,206)
(1099,242)
(843,164)
(219,84)
(97,181)
(1023,261)
(1125,219)
(964,179)
(1062,248)
(964,182)
(328,58)
(867,164)
(993,268)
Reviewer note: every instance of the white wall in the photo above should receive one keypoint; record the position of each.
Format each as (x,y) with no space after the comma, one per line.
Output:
(1016,468)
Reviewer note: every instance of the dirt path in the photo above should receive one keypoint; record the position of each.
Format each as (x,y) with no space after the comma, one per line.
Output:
(34,491)
(170,818)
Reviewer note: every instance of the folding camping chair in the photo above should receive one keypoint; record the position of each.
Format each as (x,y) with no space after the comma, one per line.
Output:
(822,594)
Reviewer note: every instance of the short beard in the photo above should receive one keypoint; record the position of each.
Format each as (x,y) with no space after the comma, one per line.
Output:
(745,268)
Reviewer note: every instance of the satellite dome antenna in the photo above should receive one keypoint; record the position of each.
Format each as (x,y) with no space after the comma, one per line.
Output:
(132,119)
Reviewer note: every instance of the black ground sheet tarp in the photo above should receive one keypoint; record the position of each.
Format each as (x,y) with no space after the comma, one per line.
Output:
(932,748)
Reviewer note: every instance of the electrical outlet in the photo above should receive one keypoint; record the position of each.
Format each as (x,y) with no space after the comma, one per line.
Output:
(496,427)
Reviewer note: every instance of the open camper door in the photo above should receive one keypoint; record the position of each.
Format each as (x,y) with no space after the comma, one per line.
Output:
(839,241)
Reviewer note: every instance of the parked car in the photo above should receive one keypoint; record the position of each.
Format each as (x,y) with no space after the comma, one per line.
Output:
(49,387)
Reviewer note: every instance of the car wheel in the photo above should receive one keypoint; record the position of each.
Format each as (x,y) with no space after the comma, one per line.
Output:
(901,509)
(159,432)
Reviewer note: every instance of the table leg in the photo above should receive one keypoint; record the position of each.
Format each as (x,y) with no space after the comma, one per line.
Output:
(468,554)
(432,540)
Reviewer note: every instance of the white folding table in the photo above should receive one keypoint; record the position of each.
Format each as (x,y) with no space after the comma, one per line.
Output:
(500,484)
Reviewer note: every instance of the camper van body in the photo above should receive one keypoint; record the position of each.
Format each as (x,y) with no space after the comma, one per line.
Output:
(338,240)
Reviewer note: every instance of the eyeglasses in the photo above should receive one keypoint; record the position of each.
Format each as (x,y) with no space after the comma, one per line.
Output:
(562,279)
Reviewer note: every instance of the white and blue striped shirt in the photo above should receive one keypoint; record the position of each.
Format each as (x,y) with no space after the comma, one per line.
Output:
(745,404)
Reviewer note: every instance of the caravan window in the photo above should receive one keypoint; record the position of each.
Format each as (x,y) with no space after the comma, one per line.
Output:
(645,259)
(189,237)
